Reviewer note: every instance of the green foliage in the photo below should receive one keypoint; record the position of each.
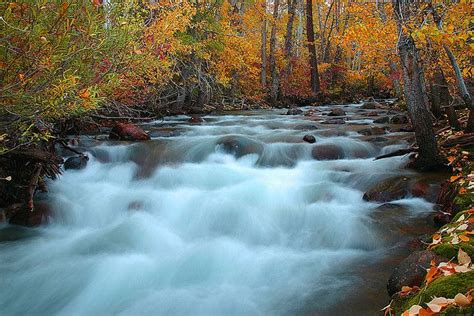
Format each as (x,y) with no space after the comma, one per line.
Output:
(60,59)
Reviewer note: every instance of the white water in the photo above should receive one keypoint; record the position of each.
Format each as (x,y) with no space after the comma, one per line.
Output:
(201,232)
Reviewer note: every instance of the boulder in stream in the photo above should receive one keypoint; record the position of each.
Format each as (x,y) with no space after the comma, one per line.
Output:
(128,131)
(412,270)
(76,162)
(374,130)
(309,139)
(399,119)
(239,145)
(388,190)
(334,121)
(40,214)
(337,112)
(327,152)
(196,119)
(294,111)
(382,120)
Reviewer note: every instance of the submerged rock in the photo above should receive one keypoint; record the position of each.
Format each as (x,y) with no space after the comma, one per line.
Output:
(239,145)
(374,130)
(382,120)
(327,152)
(76,162)
(195,119)
(40,214)
(334,121)
(309,139)
(412,270)
(294,111)
(337,112)
(388,190)
(128,131)
(399,119)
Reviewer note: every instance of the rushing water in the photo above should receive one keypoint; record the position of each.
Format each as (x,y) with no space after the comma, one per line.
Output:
(230,217)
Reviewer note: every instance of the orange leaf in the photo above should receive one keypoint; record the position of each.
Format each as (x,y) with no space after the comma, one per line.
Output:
(462,190)
(85,94)
(430,275)
(464,238)
(454,178)
(425,312)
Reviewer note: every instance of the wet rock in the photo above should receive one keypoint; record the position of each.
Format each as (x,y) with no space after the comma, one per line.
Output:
(294,111)
(382,120)
(399,119)
(76,162)
(370,105)
(440,219)
(420,242)
(128,131)
(41,214)
(378,139)
(420,189)
(309,139)
(195,119)
(327,152)
(412,270)
(374,130)
(311,112)
(135,206)
(388,190)
(373,113)
(239,145)
(334,121)
(337,112)
(305,127)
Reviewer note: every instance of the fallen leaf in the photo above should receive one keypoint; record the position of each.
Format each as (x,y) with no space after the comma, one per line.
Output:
(430,275)
(461,300)
(435,308)
(414,310)
(454,178)
(463,258)
(461,218)
(462,227)
(461,269)
(464,238)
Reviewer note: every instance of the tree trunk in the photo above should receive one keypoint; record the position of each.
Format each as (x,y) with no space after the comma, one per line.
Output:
(415,92)
(263,70)
(289,39)
(273,65)
(313,62)
(465,95)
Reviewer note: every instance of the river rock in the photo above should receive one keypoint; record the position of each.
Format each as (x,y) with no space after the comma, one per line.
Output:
(128,131)
(309,139)
(399,119)
(195,119)
(41,214)
(412,270)
(334,121)
(388,190)
(370,105)
(373,113)
(327,152)
(294,111)
(374,130)
(239,145)
(382,120)
(337,112)
(76,162)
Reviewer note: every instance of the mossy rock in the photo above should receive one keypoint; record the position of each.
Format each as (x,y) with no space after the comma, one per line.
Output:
(442,287)
(464,201)
(451,251)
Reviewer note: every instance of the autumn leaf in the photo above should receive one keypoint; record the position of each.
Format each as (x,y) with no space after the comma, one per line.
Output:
(464,238)
(463,258)
(84,94)
(454,178)
(431,274)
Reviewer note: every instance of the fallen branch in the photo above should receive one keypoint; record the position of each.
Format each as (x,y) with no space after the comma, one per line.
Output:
(396,153)
(463,141)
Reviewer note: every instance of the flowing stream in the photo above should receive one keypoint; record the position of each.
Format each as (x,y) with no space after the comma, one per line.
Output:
(233,216)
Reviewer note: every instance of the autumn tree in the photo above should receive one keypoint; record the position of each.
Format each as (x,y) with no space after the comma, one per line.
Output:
(313,62)
(414,87)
